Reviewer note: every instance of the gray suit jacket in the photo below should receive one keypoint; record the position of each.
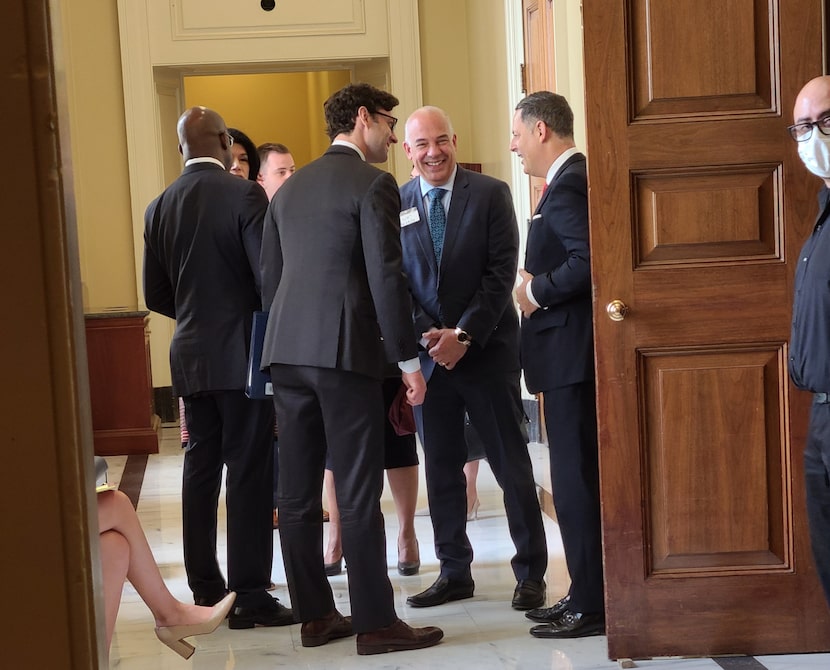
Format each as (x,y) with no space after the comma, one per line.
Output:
(331,269)
(202,239)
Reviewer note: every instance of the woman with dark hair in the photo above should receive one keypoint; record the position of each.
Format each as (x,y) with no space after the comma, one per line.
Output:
(245,156)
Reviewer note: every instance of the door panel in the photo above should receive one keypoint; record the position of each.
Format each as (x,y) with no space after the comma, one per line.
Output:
(698,207)
(712,510)
(539,68)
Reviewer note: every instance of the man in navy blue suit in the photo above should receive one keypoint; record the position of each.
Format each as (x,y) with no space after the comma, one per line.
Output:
(558,355)
(460,250)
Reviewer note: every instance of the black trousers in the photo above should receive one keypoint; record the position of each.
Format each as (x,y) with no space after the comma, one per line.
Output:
(322,411)
(494,407)
(228,429)
(817,480)
(571,421)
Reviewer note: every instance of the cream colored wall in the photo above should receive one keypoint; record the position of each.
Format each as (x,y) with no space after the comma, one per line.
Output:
(99,154)
(570,76)
(284,107)
(490,122)
(445,66)
(462,68)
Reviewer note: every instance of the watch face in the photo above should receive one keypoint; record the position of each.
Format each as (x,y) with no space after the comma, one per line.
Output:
(462,336)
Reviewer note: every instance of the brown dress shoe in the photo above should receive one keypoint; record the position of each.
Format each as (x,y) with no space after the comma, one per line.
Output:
(397,637)
(331,627)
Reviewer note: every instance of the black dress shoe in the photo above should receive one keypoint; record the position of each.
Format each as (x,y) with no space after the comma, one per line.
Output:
(571,624)
(270,613)
(442,591)
(549,614)
(529,593)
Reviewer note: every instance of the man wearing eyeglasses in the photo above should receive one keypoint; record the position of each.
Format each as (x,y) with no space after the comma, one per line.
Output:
(339,312)
(810,339)
(202,239)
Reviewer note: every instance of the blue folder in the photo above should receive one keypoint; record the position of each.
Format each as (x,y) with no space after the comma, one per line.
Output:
(258,383)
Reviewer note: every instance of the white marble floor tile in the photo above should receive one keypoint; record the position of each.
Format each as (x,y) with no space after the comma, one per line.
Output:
(482,632)
(796,662)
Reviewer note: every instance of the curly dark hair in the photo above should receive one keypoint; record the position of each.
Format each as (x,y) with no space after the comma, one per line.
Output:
(551,108)
(250,148)
(341,107)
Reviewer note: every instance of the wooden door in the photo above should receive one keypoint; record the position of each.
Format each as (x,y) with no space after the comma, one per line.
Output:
(698,207)
(538,75)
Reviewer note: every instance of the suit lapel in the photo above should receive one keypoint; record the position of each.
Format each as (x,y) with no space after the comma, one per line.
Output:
(458,203)
(573,159)
(541,202)
(415,199)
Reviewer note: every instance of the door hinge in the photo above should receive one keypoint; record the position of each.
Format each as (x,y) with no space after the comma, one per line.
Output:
(523,76)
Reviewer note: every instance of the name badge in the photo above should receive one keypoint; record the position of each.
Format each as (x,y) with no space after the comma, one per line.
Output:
(409,216)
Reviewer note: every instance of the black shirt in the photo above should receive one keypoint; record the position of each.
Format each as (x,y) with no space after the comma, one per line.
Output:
(810,338)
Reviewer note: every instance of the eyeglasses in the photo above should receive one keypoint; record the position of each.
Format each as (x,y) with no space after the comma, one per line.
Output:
(801,132)
(391,118)
(229,136)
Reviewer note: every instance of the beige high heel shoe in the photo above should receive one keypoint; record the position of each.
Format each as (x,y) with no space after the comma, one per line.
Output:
(472,510)
(173,636)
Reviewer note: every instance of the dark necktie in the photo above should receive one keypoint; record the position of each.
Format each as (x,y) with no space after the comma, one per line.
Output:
(437,221)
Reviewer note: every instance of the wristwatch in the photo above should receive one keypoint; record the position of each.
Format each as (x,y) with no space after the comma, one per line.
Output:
(463,337)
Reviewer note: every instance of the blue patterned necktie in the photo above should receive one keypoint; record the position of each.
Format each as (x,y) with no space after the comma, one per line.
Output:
(437,221)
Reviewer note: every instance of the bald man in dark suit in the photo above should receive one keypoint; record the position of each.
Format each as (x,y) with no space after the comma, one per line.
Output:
(461,274)
(201,267)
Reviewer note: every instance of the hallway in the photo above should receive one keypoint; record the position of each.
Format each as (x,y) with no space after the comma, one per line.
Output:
(481,633)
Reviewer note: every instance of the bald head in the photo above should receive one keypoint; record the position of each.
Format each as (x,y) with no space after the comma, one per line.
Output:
(811,126)
(203,133)
(431,144)
(430,113)
(813,101)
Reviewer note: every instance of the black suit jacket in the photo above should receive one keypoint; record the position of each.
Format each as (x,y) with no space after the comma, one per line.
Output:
(473,287)
(331,269)
(557,340)
(202,240)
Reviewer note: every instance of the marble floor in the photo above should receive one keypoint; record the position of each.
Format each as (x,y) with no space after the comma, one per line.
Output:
(482,633)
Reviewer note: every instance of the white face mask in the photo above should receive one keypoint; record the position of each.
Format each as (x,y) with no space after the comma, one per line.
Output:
(815,154)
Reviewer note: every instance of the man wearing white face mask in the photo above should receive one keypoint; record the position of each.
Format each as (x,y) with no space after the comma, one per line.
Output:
(810,341)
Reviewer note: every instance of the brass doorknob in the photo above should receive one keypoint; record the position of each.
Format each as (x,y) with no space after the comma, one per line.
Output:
(616,310)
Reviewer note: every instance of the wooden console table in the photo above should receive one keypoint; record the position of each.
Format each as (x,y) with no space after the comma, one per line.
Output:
(120,384)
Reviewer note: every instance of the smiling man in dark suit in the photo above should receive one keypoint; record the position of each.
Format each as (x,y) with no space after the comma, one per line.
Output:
(339,311)
(460,246)
(201,267)
(558,355)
